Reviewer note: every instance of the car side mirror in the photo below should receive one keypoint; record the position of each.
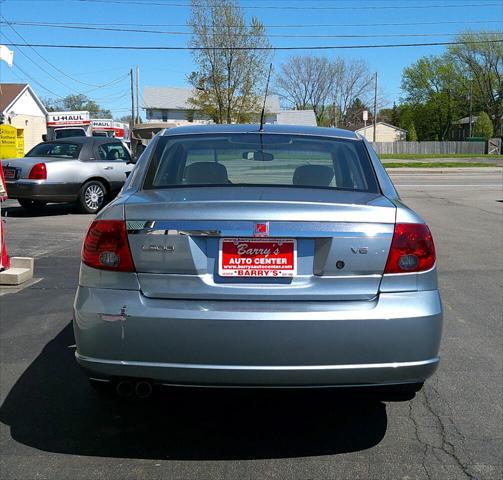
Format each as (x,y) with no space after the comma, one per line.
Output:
(131,160)
(44,137)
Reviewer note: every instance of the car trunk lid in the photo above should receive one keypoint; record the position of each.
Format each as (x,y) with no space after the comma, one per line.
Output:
(341,238)
(19,168)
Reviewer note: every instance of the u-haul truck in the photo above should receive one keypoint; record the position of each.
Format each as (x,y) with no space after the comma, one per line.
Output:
(108,128)
(68,124)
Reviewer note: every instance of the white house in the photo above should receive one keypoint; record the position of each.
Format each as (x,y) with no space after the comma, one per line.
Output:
(384,132)
(171,104)
(21,108)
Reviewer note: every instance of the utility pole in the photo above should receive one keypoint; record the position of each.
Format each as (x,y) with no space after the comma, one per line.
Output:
(470,114)
(137,94)
(375,108)
(132,99)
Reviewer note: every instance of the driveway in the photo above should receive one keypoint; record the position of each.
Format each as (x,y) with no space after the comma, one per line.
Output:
(53,426)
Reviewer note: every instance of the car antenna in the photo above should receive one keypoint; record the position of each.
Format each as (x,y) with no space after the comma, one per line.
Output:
(262,113)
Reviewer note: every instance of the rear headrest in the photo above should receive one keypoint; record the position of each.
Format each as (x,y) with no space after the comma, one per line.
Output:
(313,175)
(206,172)
(112,155)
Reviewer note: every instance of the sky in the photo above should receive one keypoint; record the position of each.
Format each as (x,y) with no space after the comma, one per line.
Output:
(103,74)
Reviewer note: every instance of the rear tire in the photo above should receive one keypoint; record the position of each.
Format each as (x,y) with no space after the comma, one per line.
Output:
(31,205)
(92,196)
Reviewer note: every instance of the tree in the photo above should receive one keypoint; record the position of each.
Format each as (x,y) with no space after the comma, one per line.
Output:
(126,119)
(395,115)
(51,104)
(352,80)
(305,82)
(483,64)
(386,115)
(411,132)
(75,103)
(329,87)
(437,85)
(231,61)
(483,126)
(390,115)
(354,114)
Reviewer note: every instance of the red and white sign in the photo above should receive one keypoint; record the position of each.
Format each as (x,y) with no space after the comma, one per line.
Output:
(119,129)
(257,257)
(66,119)
(9,173)
(99,124)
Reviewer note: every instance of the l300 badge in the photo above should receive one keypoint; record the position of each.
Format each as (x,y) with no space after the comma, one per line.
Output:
(158,248)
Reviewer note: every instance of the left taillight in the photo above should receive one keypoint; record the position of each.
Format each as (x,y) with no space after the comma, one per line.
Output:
(106,246)
(38,172)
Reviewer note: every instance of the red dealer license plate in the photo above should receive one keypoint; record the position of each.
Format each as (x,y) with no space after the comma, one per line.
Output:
(258,257)
(10,173)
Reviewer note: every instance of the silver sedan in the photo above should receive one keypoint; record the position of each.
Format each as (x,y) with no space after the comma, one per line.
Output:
(280,257)
(86,170)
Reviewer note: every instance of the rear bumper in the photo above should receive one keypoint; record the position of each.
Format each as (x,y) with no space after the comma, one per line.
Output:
(394,339)
(43,190)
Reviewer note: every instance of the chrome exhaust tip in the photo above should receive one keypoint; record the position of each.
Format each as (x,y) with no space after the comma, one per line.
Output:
(143,389)
(124,388)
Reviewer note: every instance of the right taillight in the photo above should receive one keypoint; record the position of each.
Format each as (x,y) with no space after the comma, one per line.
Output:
(106,246)
(412,249)
(38,172)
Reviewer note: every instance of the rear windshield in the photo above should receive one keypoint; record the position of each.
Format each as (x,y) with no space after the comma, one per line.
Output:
(69,132)
(263,160)
(55,149)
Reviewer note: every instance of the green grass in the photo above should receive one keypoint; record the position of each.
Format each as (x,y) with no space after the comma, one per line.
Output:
(436,164)
(413,156)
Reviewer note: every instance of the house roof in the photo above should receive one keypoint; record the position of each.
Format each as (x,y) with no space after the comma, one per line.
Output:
(176,98)
(371,125)
(10,92)
(466,120)
(296,117)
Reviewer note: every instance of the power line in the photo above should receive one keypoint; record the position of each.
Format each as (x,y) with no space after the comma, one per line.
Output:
(40,67)
(29,58)
(36,81)
(105,100)
(303,25)
(109,84)
(250,1)
(379,35)
(111,99)
(48,62)
(306,47)
(295,7)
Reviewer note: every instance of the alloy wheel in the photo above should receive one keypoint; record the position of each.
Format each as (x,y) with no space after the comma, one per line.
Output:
(94,196)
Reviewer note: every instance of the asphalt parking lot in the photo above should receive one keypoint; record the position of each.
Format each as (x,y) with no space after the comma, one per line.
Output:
(52,426)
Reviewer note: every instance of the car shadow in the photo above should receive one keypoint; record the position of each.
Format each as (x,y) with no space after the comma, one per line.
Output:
(52,408)
(50,210)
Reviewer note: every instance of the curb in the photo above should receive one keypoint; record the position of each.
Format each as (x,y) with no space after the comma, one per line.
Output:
(440,170)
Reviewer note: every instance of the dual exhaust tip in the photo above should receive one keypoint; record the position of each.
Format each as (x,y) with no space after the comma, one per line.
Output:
(128,388)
